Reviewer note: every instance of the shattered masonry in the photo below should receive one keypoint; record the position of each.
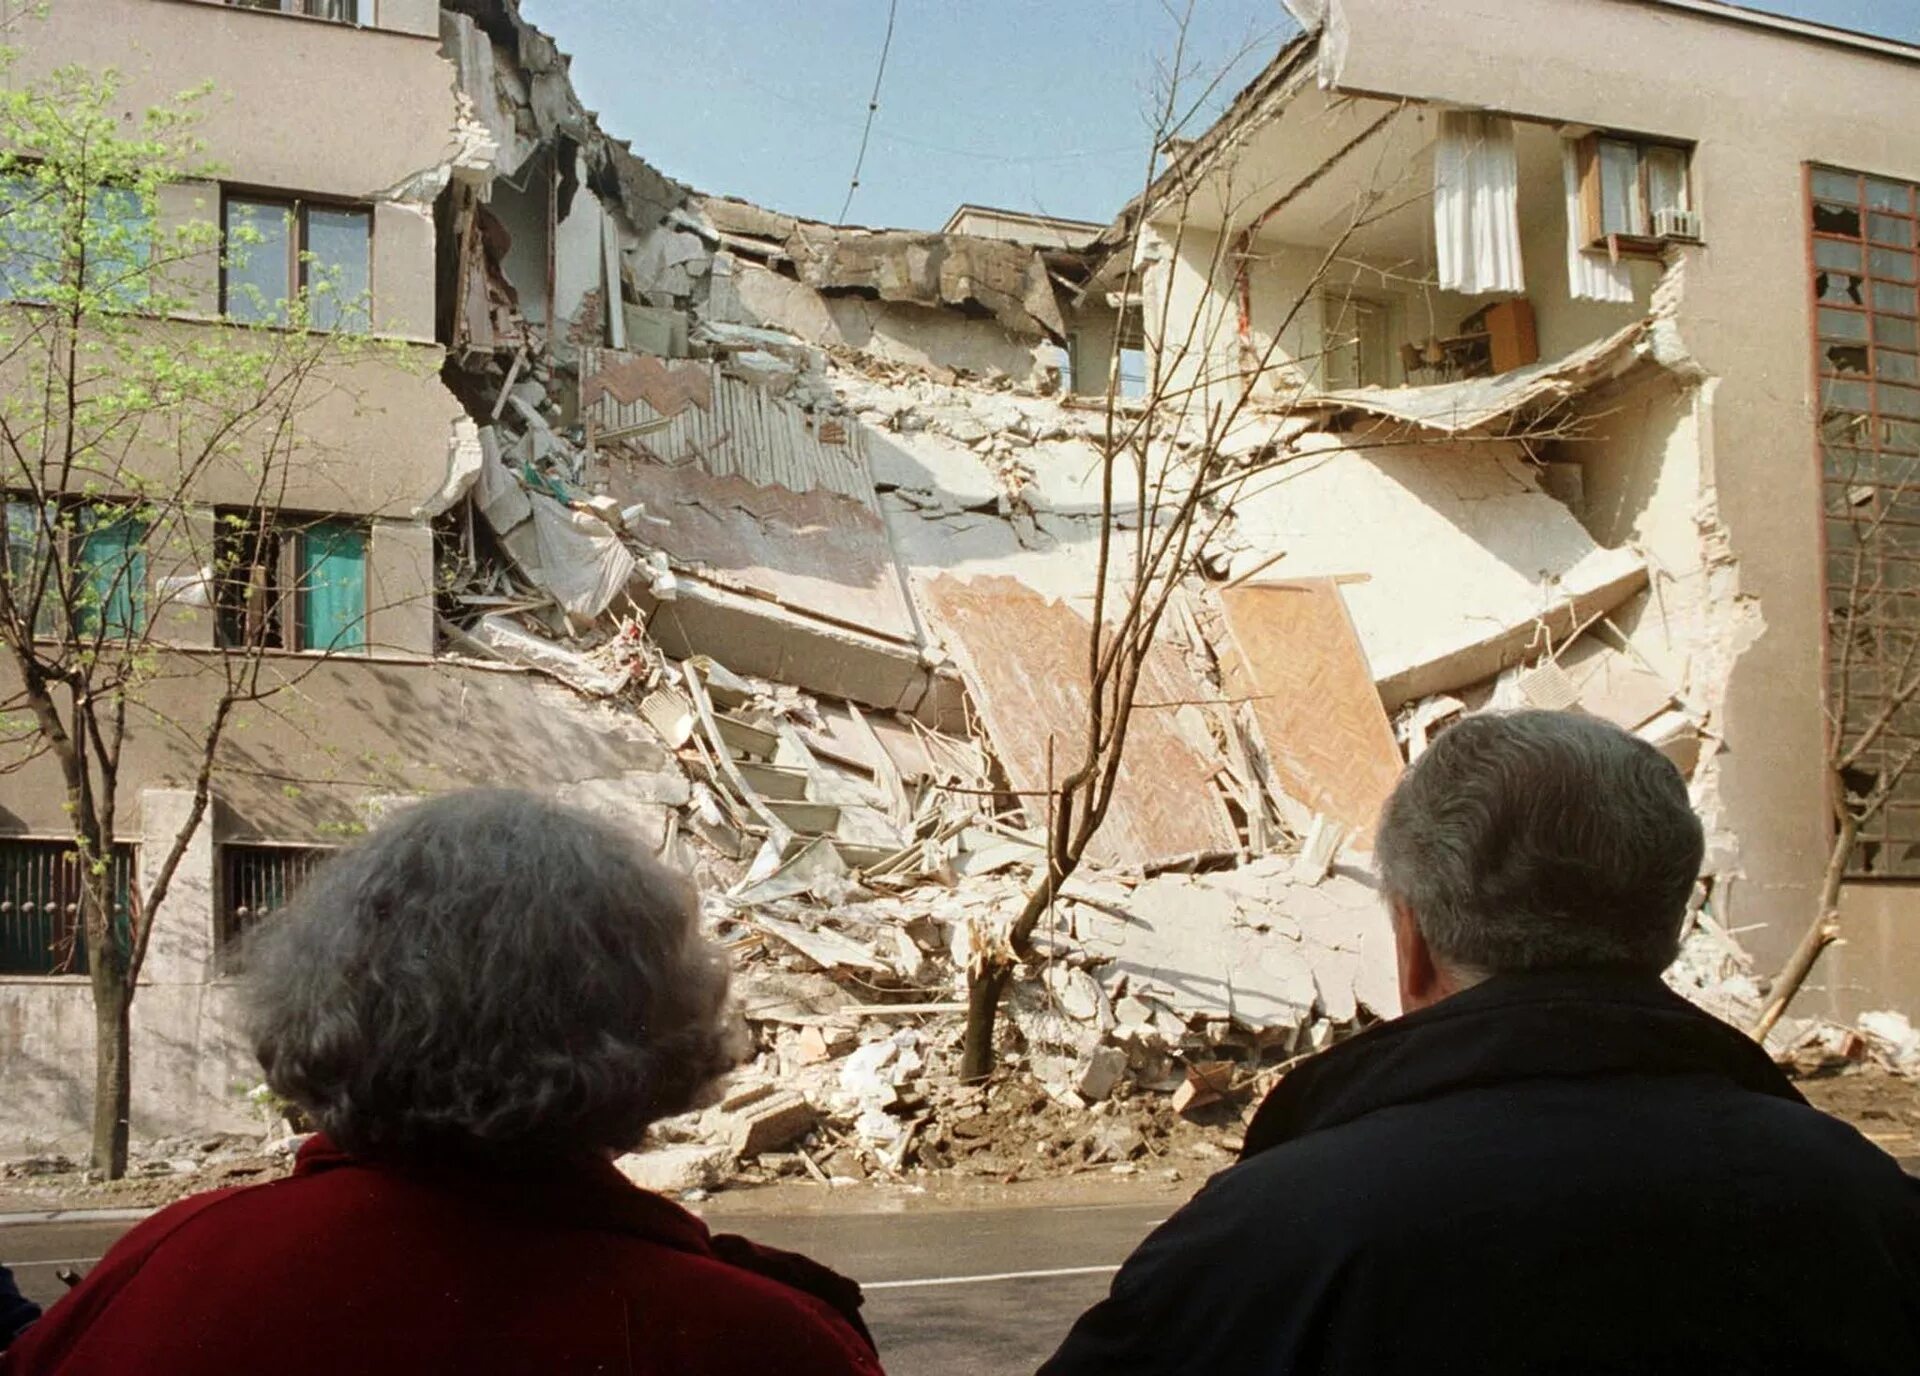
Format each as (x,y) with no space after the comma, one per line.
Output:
(809,502)
(775,540)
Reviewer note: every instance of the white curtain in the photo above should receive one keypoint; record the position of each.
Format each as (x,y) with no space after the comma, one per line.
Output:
(1476,204)
(1590,276)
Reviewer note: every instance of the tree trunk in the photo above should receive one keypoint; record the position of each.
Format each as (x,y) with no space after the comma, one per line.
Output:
(112,1076)
(1820,934)
(983,1009)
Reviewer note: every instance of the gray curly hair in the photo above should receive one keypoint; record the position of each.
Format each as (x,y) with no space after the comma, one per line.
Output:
(490,974)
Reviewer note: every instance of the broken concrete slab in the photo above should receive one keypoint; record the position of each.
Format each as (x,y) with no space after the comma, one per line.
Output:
(770,1123)
(1250,947)
(1453,560)
(677,1169)
(498,637)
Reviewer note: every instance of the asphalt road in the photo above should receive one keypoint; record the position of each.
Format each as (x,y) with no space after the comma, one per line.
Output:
(949,1292)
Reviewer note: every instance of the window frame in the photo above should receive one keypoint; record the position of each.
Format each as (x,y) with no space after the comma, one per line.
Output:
(50,624)
(286,597)
(298,207)
(1642,242)
(134,303)
(1869,458)
(298,9)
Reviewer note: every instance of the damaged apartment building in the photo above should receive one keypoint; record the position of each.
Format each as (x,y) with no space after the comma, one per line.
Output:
(778,540)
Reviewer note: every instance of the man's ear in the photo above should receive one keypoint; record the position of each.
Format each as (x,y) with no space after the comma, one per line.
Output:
(1420,979)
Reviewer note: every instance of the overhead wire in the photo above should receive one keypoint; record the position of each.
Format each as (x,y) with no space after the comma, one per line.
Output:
(873,108)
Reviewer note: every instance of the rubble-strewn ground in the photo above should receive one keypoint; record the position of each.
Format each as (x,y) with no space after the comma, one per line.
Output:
(1017,1147)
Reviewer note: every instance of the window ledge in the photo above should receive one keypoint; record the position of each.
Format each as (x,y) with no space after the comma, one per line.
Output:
(357,26)
(63,981)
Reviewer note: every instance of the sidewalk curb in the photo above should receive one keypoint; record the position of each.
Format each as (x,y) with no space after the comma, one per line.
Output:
(78,1216)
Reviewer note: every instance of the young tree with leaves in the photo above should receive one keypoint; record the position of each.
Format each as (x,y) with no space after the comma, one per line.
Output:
(122,415)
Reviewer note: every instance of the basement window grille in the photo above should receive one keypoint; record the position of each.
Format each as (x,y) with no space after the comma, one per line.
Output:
(1864,235)
(255,882)
(41,932)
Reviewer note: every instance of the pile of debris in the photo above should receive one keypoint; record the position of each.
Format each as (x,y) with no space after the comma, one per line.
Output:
(804,508)
(1157,1010)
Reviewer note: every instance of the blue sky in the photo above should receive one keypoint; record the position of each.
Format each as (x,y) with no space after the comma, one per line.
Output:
(1039,106)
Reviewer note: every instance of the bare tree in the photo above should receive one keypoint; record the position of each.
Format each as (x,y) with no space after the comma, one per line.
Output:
(130,607)
(1170,447)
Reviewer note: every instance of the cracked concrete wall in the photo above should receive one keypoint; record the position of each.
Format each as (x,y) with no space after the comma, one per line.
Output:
(1745,319)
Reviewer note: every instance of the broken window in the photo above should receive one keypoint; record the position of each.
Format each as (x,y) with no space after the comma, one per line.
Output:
(340,11)
(290,583)
(40,888)
(1866,323)
(254,883)
(1635,194)
(101,546)
(277,252)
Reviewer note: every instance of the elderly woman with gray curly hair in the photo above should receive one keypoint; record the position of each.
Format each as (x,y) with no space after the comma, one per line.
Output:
(480,1006)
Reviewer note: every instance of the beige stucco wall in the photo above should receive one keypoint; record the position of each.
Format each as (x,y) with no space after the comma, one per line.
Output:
(1744,317)
(297,105)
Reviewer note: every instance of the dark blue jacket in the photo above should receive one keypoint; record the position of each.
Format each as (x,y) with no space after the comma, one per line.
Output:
(16,1310)
(1573,1172)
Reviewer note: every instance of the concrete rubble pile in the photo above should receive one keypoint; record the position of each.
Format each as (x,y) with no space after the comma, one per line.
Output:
(805,509)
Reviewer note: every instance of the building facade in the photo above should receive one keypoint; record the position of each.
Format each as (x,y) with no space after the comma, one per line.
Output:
(1420,213)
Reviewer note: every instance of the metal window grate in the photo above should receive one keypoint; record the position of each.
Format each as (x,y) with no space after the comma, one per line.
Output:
(1864,259)
(256,882)
(40,885)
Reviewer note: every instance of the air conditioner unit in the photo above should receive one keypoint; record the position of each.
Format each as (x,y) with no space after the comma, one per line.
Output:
(1672,222)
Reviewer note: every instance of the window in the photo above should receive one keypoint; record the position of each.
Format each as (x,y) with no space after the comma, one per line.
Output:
(255,882)
(1867,350)
(40,885)
(1130,355)
(1355,338)
(276,250)
(340,11)
(1634,194)
(115,240)
(101,546)
(290,582)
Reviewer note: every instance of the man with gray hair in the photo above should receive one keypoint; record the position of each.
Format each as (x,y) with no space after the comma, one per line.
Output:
(1550,1162)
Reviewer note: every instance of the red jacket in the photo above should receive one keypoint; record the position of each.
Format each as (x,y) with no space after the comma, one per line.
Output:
(353,1266)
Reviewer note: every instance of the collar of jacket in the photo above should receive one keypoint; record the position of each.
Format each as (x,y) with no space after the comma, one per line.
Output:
(1572,1024)
(588,1192)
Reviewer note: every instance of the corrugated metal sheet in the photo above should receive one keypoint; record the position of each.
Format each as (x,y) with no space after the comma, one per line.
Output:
(728,427)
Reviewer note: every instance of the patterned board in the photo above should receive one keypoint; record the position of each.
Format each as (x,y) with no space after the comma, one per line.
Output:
(1024,658)
(1293,653)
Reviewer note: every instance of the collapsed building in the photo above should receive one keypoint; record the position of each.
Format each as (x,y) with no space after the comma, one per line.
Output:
(776,541)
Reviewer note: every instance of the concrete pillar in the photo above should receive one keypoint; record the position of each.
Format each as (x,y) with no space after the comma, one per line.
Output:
(181,950)
(400,588)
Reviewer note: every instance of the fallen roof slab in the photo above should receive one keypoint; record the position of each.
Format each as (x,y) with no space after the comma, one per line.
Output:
(1251,947)
(1452,560)
(1472,403)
